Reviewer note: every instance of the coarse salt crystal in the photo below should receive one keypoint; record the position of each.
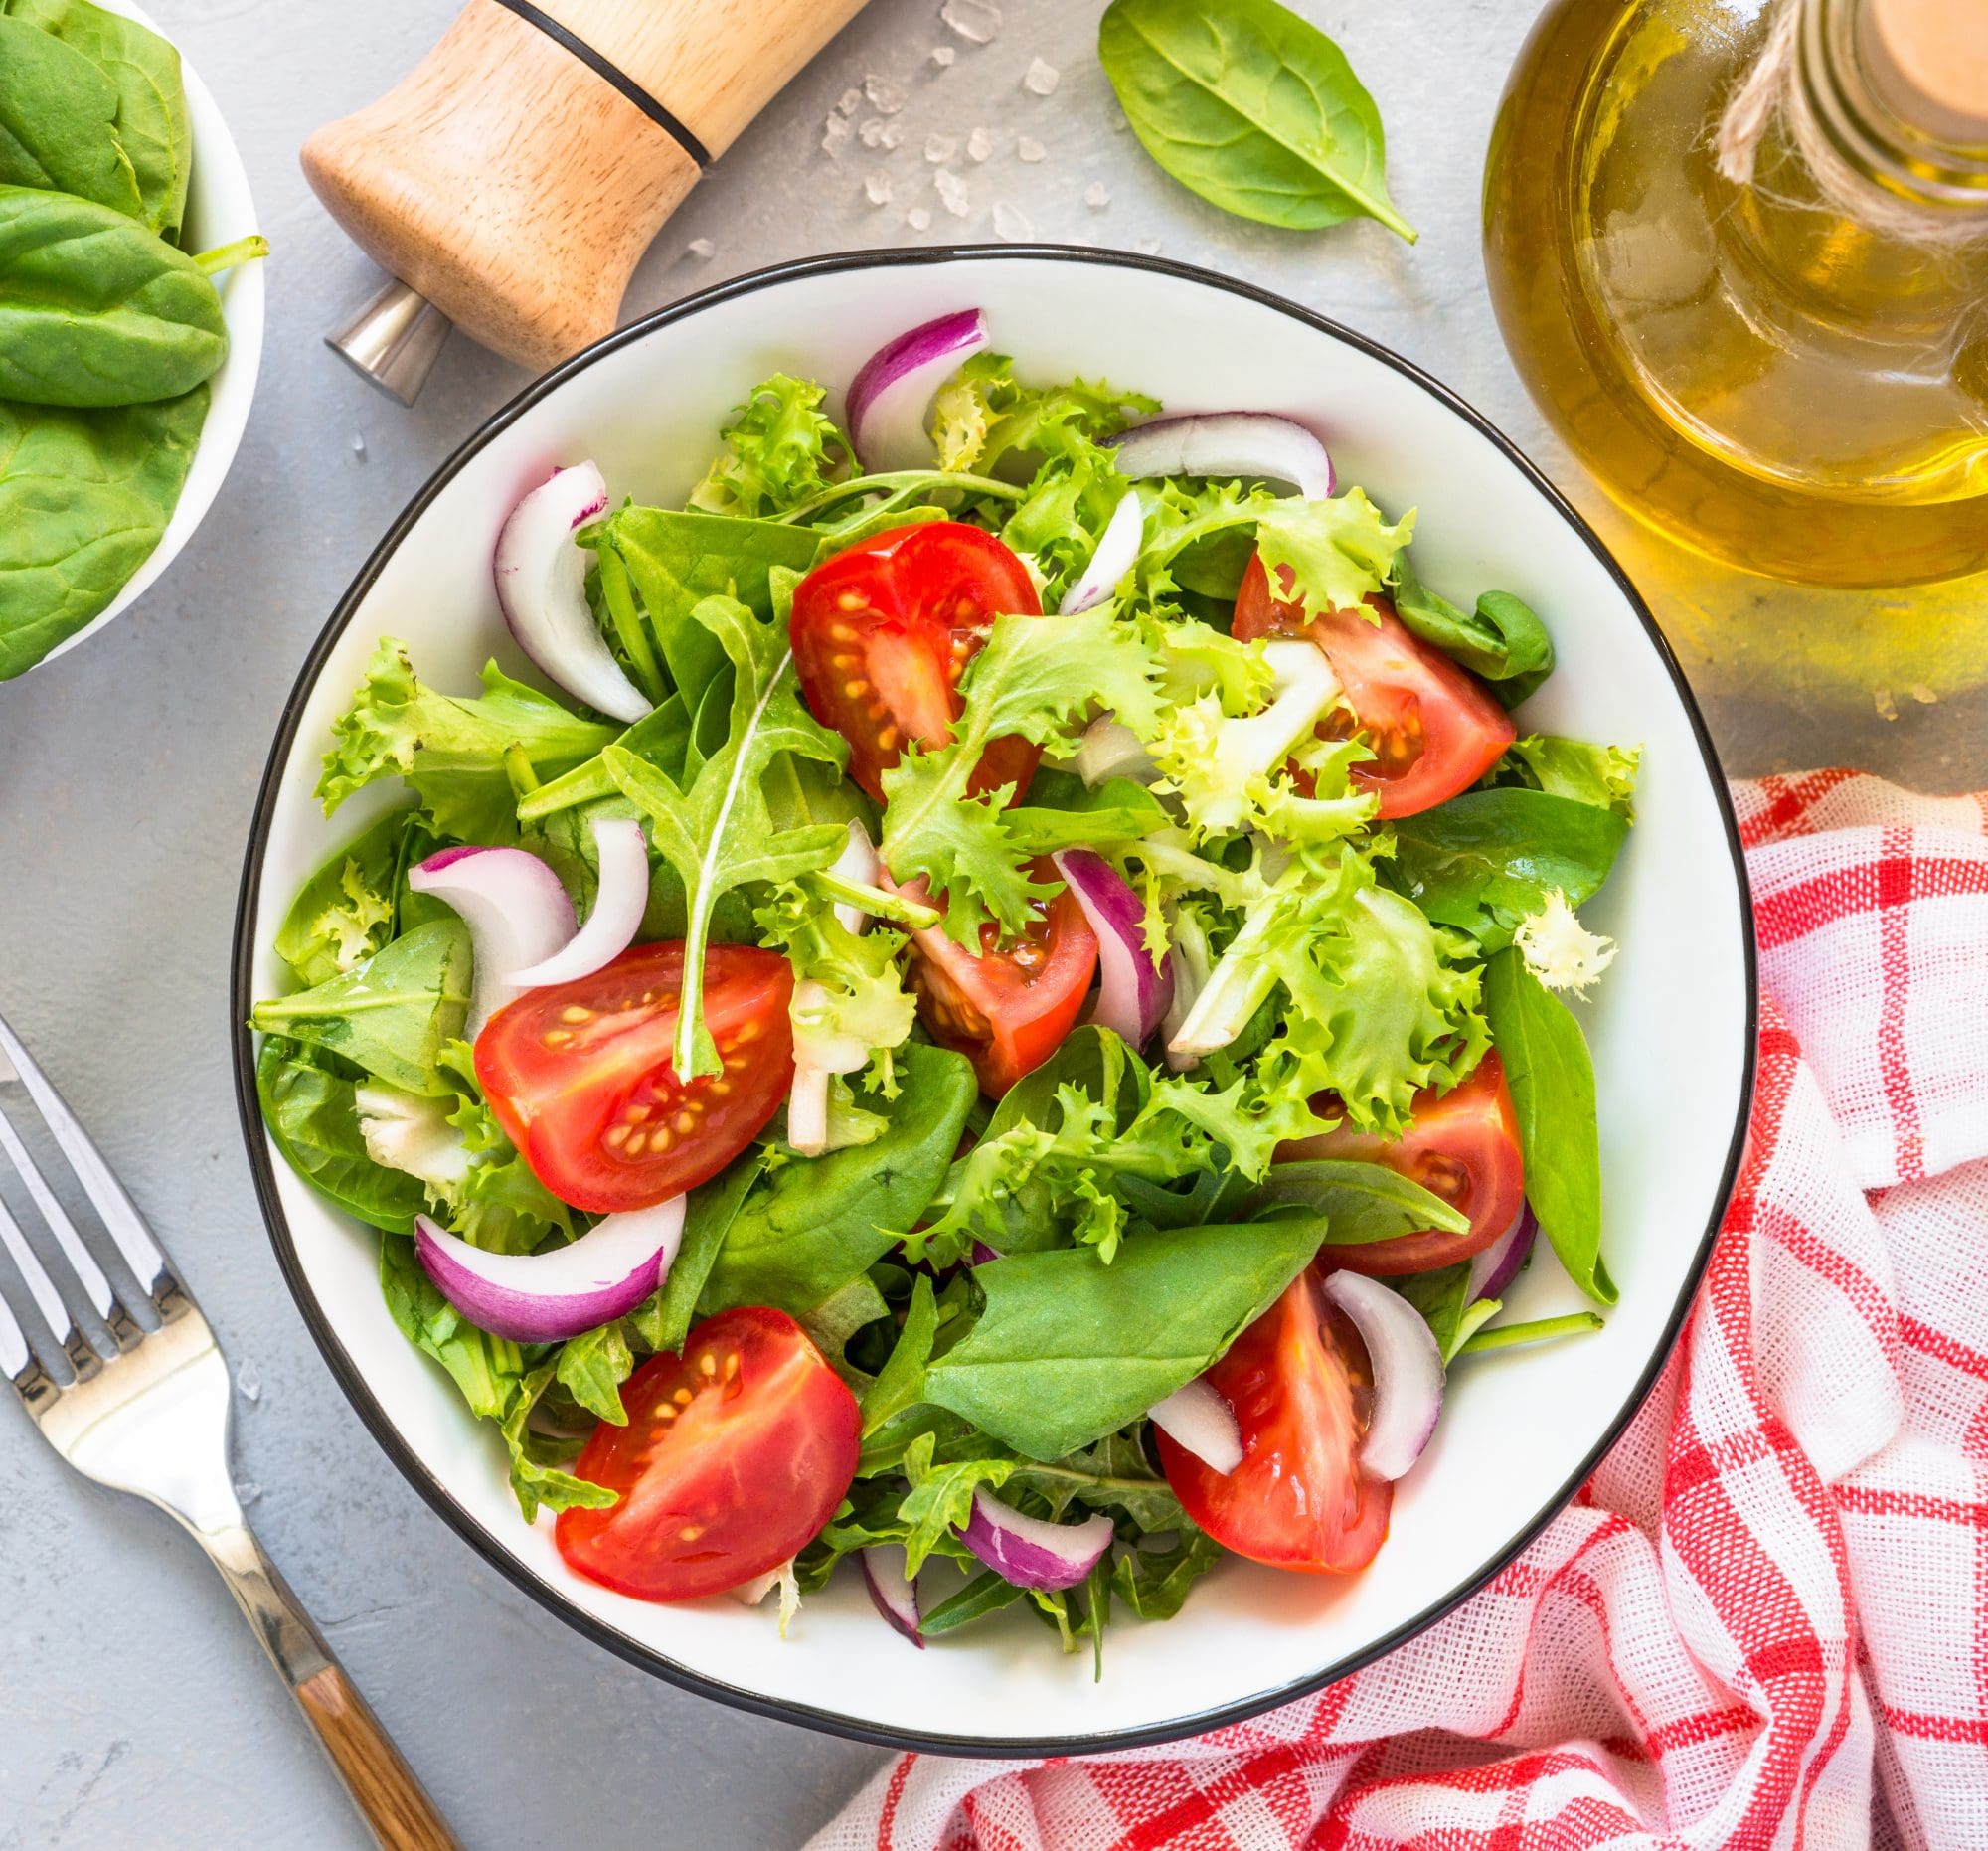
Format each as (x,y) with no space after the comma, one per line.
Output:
(979,145)
(1097,195)
(951,190)
(1011,221)
(849,102)
(885,97)
(835,134)
(877,188)
(1039,79)
(943,54)
(247,1492)
(1148,247)
(894,135)
(700,248)
(248,1382)
(1028,148)
(918,219)
(976,21)
(359,449)
(870,134)
(940,148)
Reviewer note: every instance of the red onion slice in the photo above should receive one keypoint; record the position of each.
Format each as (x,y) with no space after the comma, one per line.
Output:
(1408,1371)
(619,901)
(541,589)
(1116,553)
(1132,996)
(1498,1265)
(892,390)
(892,1592)
(1030,1552)
(1109,749)
(516,913)
(548,1298)
(1228,443)
(861,863)
(1198,1421)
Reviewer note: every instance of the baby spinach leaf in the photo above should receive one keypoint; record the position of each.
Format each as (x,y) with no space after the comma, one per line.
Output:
(1070,1349)
(664,1320)
(1488,859)
(1443,1298)
(152,121)
(311,1119)
(821,1221)
(59,121)
(1250,107)
(84,496)
(1503,640)
(1552,1079)
(392,1015)
(715,827)
(95,309)
(1360,1202)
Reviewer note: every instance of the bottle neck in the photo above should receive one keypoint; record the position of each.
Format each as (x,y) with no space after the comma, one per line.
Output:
(1869,77)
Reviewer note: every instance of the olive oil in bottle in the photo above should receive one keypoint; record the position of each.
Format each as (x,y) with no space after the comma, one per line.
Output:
(1739,250)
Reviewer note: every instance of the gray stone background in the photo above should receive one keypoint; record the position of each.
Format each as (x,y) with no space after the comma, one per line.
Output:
(134,1708)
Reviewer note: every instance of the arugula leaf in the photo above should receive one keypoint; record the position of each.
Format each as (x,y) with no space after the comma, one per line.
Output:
(591,1368)
(452,752)
(345,911)
(1488,859)
(309,1112)
(1154,1583)
(820,1222)
(1034,675)
(901,1384)
(1603,775)
(1360,1202)
(779,450)
(716,828)
(1552,1079)
(1537,1330)
(392,1015)
(1503,641)
(1250,107)
(941,1500)
(1070,1349)
(987,1592)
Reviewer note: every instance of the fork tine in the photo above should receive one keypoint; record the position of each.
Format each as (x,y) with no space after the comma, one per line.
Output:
(68,1336)
(106,1194)
(103,1300)
(14,1353)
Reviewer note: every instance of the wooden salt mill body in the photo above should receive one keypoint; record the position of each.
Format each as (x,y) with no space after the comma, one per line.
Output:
(513,180)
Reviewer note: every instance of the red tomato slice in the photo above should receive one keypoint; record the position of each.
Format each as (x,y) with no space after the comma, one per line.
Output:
(580,1073)
(1302,1390)
(1009,1008)
(735,1454)
(1435,728)
(882,633)
(1463,1145)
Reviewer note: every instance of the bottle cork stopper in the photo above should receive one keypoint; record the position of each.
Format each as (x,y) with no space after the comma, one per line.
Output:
(1928,61)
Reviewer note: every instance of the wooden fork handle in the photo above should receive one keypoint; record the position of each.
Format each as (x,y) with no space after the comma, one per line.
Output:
(383,1787)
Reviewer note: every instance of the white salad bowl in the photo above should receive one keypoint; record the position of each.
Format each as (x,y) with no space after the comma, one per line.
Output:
(220,209)
(1671,1025)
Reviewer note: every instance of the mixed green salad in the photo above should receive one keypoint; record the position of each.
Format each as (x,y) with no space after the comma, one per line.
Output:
(1008,1023)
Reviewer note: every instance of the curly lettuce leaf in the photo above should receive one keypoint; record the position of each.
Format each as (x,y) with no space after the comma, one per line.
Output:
(780,449)
(1604,776)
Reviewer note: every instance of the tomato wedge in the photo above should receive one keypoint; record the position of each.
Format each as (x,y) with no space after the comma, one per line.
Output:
(1435,728)
(580,1073)
(1463,1145)
(735,1454)
(1009,1007)
(1302,1390)
(882,633)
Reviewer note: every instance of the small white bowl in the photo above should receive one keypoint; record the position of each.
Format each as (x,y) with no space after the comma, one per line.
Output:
(219,211)
(1672,1025)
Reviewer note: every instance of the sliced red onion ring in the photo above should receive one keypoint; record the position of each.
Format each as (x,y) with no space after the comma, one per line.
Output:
(516,913)
(861,863)
(1229,443)
(892,390)
(1498,1265)
(982,1252)
(1132,996)
(618,904)
(1408,1371)
(1108,750)
(751,1592)
(548,1298)
(1030,1552)
(1198,1421)
(1116,553)
(541,589)
(892,1592)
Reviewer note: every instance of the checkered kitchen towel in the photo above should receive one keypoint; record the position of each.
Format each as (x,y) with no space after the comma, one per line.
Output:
(1776,1585)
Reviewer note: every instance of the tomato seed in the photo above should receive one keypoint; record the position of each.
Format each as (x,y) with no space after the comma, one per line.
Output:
(638,1143)
(856,688)
(682,1398)
(617,1137)
(708,1363)
(731,1365)
(690,1532)
(886,739)
(576,1012)
(558,1037)
(849,600)
(686,1123)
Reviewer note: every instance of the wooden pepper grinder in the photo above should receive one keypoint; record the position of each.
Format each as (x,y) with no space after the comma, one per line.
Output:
(512,181)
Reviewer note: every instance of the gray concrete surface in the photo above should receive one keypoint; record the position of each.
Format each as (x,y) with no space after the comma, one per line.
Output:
(134,1710)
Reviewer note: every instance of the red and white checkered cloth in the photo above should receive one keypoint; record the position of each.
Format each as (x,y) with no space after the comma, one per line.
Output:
(1777,1580)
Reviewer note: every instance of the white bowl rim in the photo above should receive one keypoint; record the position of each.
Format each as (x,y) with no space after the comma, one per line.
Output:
(352,1380)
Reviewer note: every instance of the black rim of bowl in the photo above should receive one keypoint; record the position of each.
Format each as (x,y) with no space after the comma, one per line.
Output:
(351,1379)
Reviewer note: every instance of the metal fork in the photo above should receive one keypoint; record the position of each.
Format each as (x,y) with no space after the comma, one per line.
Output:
(151,1418)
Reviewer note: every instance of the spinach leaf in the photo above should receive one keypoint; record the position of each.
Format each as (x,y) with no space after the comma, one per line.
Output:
(591,1368)
(345,912)
(1488,859)
(1503,641)
(392,1015)
(96,310)
(820,1222)
(1443,1298)
(1070,1349)
(1552,1079)
(664,1320)
(310,1115)
(59,121)
(84,496)
(1360,1202)
(152,121)
(1252,108)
